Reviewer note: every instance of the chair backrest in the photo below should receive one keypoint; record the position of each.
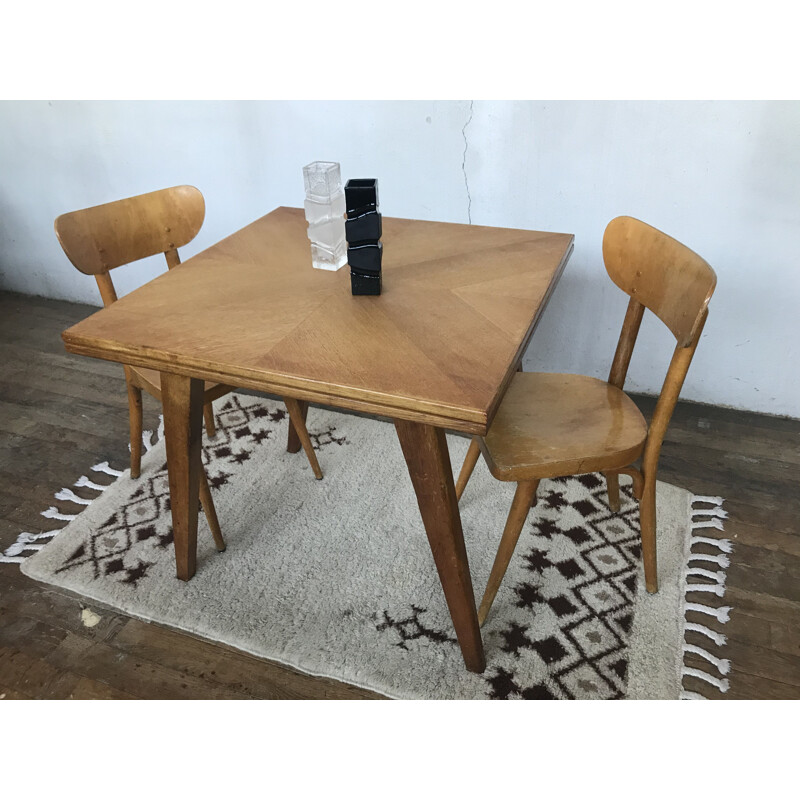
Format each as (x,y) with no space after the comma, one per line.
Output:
(676,284)
(101,238)
(660,273)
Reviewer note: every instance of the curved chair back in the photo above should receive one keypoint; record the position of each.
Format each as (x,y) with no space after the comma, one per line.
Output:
(101,238)
(676,284)
(660,273)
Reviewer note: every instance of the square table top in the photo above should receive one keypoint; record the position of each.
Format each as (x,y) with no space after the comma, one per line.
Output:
(439,345)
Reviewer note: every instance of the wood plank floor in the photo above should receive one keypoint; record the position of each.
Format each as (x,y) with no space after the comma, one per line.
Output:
(61,413)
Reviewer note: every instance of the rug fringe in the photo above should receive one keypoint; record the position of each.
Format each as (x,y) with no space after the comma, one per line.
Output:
(722,614)
(83,481)
(718,638)
(710,512)
(691,696)
(68,494)
(714,588)
(718,576)
(13,554)
(54,513)
(706,512)
(723,684)
(26,543)
(702,498)
(711,523)
(722,664)
(103,467)
(721,560)
(723,544)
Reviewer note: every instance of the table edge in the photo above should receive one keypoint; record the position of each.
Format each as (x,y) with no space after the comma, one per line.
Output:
(451,417)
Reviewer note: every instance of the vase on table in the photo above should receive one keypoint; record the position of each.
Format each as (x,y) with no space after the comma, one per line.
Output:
(325,208)
(363,229)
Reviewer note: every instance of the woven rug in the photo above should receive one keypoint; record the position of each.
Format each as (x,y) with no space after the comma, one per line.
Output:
(335,577)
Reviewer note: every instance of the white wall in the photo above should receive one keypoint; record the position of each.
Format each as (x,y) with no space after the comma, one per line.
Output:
(723,177)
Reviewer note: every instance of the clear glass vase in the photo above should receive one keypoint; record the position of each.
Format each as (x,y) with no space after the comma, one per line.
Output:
(325,209)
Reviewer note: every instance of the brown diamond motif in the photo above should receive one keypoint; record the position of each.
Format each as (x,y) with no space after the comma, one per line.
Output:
(550,650)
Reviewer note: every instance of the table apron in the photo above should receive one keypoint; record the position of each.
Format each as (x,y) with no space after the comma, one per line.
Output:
(426,413)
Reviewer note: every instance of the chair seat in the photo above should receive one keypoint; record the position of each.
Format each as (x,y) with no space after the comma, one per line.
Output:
(552,425)
(150,381)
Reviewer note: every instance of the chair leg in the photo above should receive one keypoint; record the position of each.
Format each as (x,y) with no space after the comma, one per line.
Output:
(208,416)
(526,491)
(135,411)
(647,520)
(612,483)
(297,421)
(211,513)
(466,470)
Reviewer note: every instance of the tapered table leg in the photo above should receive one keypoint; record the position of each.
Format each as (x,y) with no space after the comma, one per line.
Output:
(182,401)
(428,459)
(293,443)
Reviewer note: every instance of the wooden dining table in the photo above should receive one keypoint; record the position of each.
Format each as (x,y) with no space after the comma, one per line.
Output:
(434,352)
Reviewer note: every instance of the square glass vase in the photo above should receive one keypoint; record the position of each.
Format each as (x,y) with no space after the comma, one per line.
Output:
(320,210)
(326,258)
(322,179)
(328,233)
(361,196)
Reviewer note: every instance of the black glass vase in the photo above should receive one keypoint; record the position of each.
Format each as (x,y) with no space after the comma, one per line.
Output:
(363,230)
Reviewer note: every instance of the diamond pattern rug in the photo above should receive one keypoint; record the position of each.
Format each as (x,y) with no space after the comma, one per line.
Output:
(336,577)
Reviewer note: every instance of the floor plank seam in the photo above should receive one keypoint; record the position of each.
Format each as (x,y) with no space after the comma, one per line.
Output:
(706,559)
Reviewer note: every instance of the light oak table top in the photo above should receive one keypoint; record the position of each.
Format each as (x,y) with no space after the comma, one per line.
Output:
(439,346)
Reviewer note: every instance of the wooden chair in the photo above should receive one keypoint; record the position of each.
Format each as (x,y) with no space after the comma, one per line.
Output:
(550,426)
(99,239)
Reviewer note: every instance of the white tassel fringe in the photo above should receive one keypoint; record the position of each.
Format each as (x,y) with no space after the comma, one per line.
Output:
(721,560)
(717,638)
(709,512)
(700,498)
(706,517)
(723,684)
(722,664)
(713,588)
(13,554)
(84,481)
(54,513)
(718,576)
(722,544)
(68,494)
(28,543)
(711,523)
(103,467)
(691,696)
(722,614)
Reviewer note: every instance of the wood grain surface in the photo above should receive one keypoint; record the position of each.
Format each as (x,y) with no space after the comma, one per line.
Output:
(438,346)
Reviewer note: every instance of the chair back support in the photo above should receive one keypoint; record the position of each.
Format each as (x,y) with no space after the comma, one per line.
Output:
(660,273)
(676,284)
(104,237)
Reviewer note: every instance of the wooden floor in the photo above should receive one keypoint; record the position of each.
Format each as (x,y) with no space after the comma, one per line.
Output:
(60,413)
